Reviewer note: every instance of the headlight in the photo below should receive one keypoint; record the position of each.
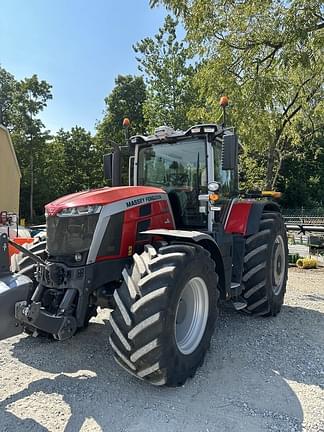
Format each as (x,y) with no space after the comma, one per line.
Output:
(80,211)
(213,186)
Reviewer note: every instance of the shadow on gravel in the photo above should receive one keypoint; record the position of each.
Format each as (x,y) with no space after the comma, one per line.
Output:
(241,386)
(314,297)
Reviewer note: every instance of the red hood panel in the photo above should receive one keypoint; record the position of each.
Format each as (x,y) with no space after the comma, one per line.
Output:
(101,196)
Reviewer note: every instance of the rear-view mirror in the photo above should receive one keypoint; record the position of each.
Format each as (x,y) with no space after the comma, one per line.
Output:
(107,163)
(229,152)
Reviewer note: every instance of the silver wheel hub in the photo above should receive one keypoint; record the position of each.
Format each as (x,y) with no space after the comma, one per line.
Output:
(191,315)
(279,264)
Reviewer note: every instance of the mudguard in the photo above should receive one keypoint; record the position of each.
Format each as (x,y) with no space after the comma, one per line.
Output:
(13,288)
(245,215)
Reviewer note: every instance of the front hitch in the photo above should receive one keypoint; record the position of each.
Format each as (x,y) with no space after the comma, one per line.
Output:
(34,316)
(20,305)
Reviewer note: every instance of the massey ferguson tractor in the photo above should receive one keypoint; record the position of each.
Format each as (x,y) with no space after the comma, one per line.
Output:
(160,253)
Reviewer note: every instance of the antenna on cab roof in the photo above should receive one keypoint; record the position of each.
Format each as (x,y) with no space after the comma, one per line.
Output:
(126,125)
(223,103)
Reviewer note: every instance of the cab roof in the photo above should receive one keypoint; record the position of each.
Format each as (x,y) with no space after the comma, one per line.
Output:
(167,133)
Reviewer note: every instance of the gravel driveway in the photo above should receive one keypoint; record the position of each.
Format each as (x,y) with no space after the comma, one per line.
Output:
(259,375)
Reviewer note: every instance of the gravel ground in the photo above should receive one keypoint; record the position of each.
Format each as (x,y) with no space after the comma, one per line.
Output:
(259,375)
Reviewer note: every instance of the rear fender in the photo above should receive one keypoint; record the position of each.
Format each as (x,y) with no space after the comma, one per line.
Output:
(245,216)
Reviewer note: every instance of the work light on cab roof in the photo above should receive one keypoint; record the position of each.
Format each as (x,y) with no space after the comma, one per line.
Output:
(223,102)
(126,122)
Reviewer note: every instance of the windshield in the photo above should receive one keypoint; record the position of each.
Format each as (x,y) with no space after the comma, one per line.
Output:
(180,169)
(179,165)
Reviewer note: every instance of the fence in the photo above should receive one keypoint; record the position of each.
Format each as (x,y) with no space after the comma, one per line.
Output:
(304,216)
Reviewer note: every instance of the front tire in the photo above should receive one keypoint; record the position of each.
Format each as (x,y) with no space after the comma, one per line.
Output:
(265,269)
(165,313)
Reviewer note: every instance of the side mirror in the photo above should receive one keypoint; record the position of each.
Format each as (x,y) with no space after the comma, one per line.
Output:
(107,164)
(229,152)
(131,163)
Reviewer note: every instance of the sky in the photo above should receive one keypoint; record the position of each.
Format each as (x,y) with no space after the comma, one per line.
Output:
(78,46)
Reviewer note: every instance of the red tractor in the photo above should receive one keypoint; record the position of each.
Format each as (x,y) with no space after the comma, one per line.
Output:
(160,253)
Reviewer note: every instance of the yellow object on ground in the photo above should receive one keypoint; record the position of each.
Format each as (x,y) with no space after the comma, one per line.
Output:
(306,263)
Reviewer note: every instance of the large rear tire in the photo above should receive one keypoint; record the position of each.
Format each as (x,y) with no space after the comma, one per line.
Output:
(265,270)
(165,313)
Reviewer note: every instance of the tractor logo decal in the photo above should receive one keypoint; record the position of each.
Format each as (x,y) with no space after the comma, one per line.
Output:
(143,200)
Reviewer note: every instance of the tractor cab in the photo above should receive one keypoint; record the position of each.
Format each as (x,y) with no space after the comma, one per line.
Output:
(191,166)
(184,164)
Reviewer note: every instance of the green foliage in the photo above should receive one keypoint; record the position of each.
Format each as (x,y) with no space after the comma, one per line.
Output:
(8,88)
(302,176)
(80,164)
(76,145)
(71,160)
(20,103)
(68,162)
(125,100)
(165,63)
(268,57)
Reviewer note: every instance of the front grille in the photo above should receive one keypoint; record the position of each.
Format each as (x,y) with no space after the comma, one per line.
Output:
(69,235)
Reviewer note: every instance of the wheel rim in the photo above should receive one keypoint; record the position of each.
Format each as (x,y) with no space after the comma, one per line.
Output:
(191,315)
(279,264)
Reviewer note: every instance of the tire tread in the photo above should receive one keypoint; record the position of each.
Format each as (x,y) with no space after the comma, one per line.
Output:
(140,348)
(256,289)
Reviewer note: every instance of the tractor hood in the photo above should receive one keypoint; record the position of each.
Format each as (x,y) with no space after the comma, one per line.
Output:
(100,196)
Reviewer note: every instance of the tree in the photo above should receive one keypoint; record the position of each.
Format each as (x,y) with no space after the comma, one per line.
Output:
(268,56)
(125,100)
(8,88)
(31,98)
(50,174)
(165,63)
(302,176)
(21,102)
(80,164)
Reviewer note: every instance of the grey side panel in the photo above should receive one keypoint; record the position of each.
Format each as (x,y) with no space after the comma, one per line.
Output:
(256,212)
(254,218)
(271,206)
(196,236)
(13,289)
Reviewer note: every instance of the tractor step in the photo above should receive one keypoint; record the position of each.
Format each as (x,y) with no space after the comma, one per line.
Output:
(236,290)
(237,300)
(239,303)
